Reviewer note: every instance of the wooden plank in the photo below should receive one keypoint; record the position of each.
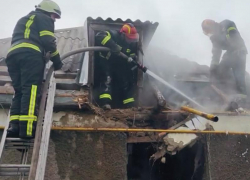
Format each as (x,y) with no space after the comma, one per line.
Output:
(67,85)
(6,99)
(6,90)
(64,75)
(46,132)
(62,81)
(4,80)
(38,135)
(59,93)
(58,74)
(4,73)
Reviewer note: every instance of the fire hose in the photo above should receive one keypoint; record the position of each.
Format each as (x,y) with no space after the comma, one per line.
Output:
(97,48)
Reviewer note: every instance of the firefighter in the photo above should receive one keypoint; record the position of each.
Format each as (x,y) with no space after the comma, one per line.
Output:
(32,39)
(114,66)
(225,36)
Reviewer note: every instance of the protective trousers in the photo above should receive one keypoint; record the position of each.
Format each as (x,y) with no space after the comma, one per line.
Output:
(119,70)
(26,71)
(237,62)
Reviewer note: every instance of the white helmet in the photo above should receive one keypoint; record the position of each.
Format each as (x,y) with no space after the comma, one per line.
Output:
(50,7)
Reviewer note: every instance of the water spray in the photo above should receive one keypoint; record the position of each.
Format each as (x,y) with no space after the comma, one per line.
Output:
(145,70)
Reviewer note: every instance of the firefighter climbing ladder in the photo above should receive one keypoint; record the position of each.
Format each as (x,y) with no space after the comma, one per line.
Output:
(36,169)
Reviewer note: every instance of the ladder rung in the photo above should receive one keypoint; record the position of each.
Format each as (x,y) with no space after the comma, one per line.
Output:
(18,147)
(14,168)
(19,140)
(18,143)
(13,173)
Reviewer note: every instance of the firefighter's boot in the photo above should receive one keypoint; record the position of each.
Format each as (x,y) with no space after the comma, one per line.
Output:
(129,105)
(106,107)
(13,130)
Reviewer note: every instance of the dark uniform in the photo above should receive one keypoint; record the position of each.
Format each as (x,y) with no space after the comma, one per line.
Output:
(227,37)
(115,67)
(33,36)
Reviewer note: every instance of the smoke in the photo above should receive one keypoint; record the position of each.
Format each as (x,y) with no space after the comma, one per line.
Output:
(179,31)
(180,26)
(179,48)
(178,44)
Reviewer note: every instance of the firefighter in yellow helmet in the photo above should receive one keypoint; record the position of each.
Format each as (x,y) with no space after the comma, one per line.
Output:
(225,36)
(33,37)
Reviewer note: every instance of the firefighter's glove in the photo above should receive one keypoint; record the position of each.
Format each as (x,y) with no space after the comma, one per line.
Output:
(133,56)
(130,59)
(57,65)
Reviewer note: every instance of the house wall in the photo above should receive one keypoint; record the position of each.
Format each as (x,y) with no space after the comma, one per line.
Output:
(83,155)
(228,156)
(79,155)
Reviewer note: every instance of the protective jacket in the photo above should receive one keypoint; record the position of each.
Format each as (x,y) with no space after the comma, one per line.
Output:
(226,37)
(113,40)
(35,33)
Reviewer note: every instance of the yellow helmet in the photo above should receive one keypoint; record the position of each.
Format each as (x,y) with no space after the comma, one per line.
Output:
(50,7)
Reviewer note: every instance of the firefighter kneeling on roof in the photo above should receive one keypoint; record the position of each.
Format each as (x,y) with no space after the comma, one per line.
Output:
(114,66)
(33,37)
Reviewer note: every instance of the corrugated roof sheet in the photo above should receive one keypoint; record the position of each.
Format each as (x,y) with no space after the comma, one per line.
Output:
(119,20)
(67,40)
(148,27)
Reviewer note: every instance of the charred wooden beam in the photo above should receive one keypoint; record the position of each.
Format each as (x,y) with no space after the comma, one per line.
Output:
(62,97)
(126,115)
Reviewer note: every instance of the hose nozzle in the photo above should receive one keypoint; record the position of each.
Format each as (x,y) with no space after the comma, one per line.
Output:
(140,66)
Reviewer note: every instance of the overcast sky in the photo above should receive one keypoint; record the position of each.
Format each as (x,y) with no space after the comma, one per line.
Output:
(179,29)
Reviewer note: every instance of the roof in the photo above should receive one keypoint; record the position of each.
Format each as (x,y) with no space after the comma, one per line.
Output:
(74,38)
(148,27)
(67,40)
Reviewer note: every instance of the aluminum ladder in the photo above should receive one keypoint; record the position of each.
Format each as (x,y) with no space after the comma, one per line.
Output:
(36,169)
